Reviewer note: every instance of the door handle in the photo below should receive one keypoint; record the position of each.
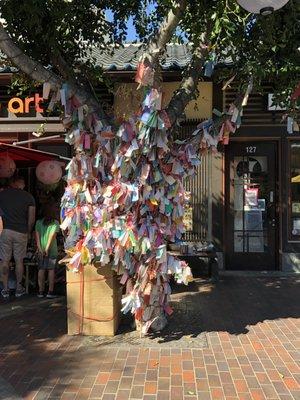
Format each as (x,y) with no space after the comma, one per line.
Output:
(273,222)
(271,196)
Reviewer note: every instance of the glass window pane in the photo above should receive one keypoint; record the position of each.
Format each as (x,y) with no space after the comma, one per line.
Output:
(251,195)
(295,191)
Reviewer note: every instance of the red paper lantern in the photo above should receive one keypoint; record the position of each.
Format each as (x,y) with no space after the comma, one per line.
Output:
(49,172)
(7,166)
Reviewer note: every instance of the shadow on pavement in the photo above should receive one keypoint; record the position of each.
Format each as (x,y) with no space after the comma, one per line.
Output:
(35,351)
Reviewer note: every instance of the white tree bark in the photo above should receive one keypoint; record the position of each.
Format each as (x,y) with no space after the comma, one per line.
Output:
(155,49)
(39,73)
(30,67)
(158,43)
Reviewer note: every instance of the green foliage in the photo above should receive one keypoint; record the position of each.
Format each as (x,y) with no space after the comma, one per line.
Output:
(265,47)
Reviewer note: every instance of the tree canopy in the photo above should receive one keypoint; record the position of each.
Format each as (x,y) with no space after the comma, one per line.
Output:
(125,197)
(62,33)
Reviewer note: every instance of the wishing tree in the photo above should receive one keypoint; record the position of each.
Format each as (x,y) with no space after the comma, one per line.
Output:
(124,199)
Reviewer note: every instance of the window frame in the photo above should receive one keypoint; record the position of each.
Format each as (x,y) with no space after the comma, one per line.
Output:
(291,238)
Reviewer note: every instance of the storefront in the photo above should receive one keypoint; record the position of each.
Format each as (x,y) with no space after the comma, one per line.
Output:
(246,199)
(256,193)
(22,117)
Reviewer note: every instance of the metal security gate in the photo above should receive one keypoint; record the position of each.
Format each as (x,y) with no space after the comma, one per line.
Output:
(199,186)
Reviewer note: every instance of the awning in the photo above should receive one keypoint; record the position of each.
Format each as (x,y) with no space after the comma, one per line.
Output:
(25,157)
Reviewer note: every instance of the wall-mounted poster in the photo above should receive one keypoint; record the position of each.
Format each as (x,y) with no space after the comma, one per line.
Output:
(255,235)
(296,227)
(261,205)
(251,196)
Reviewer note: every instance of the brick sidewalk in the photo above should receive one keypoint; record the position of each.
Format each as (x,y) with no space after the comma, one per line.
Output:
(252,331)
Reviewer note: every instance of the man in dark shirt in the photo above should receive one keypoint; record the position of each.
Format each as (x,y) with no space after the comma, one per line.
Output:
(18,208)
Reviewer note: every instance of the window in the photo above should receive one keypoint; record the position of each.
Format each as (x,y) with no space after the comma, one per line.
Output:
(251,191)
(295,191)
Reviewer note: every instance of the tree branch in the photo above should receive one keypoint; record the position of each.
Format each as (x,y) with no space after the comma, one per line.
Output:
(60,63)
(188,87)
(39,73)
(158,42)
(30,67)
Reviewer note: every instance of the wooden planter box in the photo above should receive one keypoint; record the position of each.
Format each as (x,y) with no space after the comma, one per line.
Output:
(93,299)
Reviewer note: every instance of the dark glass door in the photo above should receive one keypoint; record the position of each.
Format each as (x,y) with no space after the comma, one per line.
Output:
(251,220)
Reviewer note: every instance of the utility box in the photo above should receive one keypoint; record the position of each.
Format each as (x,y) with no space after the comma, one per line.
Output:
(93,301)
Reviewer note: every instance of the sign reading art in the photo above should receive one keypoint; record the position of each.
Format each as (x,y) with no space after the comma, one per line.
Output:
(16,105)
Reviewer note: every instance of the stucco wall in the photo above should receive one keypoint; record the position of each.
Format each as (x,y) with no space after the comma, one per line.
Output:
(127,99)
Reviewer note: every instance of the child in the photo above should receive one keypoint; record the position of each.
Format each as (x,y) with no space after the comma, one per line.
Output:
(45,235)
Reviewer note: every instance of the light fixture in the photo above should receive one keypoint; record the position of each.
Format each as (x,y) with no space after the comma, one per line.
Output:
(263,7)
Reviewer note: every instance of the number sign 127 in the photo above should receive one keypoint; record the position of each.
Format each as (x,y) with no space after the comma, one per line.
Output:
(251,149)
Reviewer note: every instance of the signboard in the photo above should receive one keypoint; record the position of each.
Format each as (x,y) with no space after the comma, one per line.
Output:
(17,105)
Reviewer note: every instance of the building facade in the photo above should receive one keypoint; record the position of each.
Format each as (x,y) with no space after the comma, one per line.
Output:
(244,199)
(256,191)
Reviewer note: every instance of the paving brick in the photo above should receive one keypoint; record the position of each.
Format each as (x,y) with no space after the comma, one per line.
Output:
(253,354)
(176,380)
(150,388)
(111,387)
(151,375)
(212,369)
(164,383)
(188,376)
(83,393)
(123,394)
(139,379)
(97,391)
(257,394)
(103,378)
(217,394)
(225,377)
(137,392)
(204,396)
(241,385)
(189,388)
(291,384)
(176,393)
(269,391)
(163,395)
(164,372)
(126,383)
(281,388)
(214,380)
(202,385)
(262,377)
(109,396)
(200,373)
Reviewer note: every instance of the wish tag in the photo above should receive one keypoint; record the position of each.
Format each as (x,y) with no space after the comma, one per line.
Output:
(46,90)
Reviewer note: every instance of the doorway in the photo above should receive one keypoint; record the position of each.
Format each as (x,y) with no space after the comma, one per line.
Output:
(251,225)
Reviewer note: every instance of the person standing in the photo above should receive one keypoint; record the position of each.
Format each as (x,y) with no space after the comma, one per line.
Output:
(1,221)
(45,236)
(18,208)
